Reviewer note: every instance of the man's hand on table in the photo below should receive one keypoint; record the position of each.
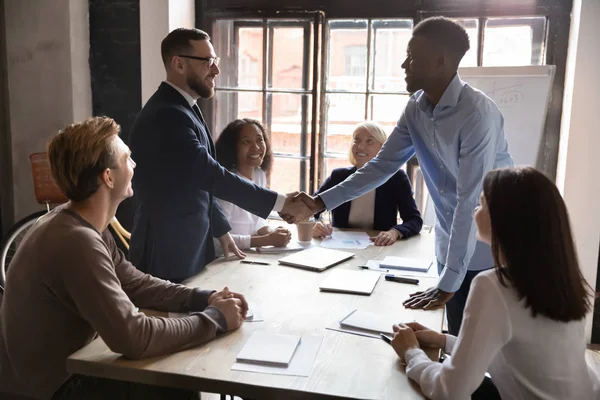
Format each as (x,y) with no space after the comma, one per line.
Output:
(232,309)
(430,299)
(227,294)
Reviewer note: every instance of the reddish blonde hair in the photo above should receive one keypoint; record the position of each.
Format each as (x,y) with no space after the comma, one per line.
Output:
(79,153)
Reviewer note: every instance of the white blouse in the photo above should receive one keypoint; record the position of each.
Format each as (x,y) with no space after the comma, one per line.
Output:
(527,358)
(243,223)
(362,211)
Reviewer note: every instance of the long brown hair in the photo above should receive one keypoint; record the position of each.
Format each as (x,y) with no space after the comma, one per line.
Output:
(530,228)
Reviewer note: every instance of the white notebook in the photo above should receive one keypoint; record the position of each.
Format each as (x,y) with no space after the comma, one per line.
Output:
(347,281)
(370,322)
(405,263)
(316,258)
(291,246)
(269,349)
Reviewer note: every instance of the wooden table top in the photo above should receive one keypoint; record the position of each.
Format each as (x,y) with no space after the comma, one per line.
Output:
(346,367)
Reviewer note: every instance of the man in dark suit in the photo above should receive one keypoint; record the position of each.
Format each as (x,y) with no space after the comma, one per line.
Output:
(177,175)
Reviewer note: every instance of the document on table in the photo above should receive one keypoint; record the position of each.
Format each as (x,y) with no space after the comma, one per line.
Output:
(300,365)
(375,266)
(251,315)
(292,246)
(269,348)
(347,240)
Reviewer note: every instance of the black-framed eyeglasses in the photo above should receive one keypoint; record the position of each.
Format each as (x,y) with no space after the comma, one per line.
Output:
(210,60)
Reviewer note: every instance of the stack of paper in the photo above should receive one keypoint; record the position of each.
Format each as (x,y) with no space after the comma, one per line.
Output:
(405,263)
(347,240)
(370,322)
(269,349)
(347,281)
(292,246)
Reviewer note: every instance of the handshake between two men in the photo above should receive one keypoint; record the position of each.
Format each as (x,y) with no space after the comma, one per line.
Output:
(299,207)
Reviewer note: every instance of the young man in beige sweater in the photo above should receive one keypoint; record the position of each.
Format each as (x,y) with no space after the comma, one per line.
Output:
(69,282)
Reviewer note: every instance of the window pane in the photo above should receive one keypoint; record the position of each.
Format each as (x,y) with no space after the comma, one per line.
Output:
(514,41)
(241,65)
(344,112)
(288,54)
(390,40)
(347,58)
(285,175)
(471,26)
(386,109)
(287,125)
(230,105)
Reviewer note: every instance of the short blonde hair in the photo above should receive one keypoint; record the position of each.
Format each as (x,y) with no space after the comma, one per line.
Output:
(79,153)
(374,129)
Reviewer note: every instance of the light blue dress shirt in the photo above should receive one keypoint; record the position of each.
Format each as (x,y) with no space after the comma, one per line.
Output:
(457,143)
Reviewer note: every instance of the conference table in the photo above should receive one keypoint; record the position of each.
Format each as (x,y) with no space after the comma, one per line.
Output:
(347,366)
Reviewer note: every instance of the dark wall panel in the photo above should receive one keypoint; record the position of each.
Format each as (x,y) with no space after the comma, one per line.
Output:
(116,70)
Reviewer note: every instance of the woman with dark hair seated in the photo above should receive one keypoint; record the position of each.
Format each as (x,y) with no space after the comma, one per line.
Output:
(379,208)
(524,321)
(244,148)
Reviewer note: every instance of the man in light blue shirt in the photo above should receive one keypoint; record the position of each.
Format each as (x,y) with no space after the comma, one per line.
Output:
(457,134)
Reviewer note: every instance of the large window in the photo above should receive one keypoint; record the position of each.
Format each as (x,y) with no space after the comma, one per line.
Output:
(266,74)
(376,91)
(269,64)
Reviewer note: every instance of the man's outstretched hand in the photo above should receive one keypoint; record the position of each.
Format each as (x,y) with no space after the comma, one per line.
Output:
(430,299)
(299,207)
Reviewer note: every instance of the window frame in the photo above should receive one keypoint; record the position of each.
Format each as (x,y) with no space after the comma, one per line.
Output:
(556,35)
(302,20)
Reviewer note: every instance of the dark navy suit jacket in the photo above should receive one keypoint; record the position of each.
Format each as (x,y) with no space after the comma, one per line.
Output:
(390,198)
(175,180)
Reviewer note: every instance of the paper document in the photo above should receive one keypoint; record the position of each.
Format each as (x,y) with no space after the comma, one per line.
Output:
(348,281)
(375,266)
(370,322)
(291,246)
(347,240)
(301,364)
(269,348)
(406,263)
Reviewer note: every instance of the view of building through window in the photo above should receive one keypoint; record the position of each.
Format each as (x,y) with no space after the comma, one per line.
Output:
(266,74)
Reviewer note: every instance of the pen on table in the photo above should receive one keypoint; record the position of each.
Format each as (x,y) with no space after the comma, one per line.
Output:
(386,338)
(254,262)
(401,279)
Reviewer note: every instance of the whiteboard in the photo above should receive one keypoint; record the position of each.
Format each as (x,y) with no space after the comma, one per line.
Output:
(522,95)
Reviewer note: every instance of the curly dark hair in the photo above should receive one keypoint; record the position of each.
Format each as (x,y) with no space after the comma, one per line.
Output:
(226,145)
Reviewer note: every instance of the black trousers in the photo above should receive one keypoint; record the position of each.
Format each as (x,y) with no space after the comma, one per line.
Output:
(79,387)
(486,391)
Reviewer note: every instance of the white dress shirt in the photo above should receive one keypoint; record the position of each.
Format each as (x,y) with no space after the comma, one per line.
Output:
(527,358)
(244,224)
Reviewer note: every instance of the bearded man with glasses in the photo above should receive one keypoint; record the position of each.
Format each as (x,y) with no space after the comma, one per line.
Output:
(177,174)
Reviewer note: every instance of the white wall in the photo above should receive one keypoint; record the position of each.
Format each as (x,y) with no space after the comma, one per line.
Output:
(48,80)
(157,19)
(577,171)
